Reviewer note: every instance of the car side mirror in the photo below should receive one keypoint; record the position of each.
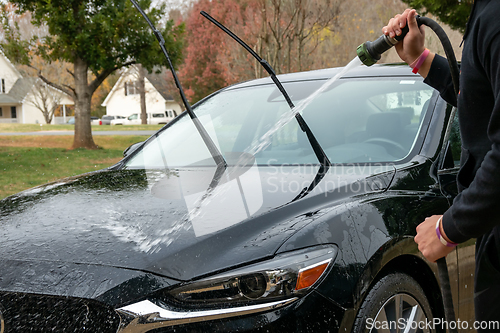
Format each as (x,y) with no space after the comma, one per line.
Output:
(132,148)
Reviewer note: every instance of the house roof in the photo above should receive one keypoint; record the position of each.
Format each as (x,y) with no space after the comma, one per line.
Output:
(160,83)
(18,92)
(21,88)
(7,99)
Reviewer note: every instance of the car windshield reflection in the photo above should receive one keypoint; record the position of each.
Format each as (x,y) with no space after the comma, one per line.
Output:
(355,121)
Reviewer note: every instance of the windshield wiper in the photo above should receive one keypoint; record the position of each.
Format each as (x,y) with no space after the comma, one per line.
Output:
(318,150)
(214,151)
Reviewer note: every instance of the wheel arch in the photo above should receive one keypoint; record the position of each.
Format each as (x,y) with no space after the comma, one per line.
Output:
(418,269)
(403,257)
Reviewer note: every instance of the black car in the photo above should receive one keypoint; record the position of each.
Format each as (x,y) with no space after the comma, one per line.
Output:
(274,237)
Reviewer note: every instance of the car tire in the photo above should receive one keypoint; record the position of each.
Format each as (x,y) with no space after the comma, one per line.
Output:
(379,310)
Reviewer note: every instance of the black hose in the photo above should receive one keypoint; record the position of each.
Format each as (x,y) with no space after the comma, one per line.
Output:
(449,311)
(448,50)
(444,278)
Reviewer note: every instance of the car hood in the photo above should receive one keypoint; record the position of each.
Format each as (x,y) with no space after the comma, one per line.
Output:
(179,224)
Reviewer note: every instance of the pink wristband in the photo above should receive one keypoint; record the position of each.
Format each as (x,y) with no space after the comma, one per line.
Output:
(441,238)
(412,65)
(419,61)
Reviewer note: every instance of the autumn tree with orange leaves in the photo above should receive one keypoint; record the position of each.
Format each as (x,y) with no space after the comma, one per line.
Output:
(283,32)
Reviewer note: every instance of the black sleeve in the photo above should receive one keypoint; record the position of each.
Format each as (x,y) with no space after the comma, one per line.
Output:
(439,78)
(475,210)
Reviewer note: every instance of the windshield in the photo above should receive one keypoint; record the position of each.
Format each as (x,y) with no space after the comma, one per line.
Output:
(354,120)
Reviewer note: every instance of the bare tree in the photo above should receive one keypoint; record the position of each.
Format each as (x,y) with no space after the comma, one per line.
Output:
(45,98)
(290,31)
(286,33)
(42,96)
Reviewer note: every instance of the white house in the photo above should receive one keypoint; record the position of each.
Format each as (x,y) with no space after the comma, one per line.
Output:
(124,100)
(18,97)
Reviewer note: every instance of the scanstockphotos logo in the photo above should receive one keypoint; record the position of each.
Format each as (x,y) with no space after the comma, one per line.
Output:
(403,324)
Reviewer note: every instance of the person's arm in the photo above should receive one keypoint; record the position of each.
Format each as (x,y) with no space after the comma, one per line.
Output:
(476,209)
(435,69)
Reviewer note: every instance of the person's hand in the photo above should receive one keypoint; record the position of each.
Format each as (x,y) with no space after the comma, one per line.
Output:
(412,45)
(428,242)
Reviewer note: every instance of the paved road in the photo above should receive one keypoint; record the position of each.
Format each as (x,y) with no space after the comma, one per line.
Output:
(73,132)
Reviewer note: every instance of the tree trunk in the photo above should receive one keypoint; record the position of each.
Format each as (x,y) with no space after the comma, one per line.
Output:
(142,95)
(51,113)
(83,95)
(48,118)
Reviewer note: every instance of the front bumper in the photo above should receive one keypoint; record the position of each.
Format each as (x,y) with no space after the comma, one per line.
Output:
(312,313)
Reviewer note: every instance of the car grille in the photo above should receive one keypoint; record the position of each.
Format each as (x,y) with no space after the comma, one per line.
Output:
(39,313)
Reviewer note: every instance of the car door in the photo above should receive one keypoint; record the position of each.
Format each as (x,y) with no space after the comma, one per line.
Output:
(465,252)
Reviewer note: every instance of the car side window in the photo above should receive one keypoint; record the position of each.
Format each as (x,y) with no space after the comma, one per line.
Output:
(453,144)
(455,141)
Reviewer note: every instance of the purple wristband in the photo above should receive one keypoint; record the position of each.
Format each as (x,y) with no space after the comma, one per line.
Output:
(441,238)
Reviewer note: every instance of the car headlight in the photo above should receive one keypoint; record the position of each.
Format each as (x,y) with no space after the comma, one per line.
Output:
(286,275)
(257,288)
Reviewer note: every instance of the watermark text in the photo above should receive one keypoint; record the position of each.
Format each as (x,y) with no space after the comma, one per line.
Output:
(435,323)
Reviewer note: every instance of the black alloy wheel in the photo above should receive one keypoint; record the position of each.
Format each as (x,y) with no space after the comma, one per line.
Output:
(395,304)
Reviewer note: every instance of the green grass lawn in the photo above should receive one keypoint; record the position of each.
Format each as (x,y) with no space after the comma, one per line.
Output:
(10,128)
(27,161)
